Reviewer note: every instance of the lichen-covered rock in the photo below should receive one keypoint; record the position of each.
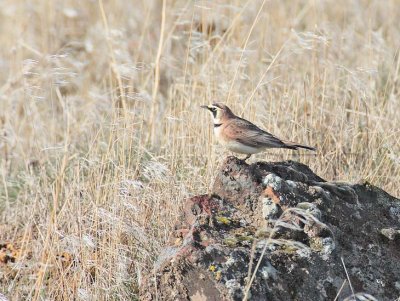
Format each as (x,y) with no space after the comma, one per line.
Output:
(391,233)
(277,231)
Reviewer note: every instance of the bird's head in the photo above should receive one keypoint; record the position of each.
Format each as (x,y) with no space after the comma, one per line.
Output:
(219,111)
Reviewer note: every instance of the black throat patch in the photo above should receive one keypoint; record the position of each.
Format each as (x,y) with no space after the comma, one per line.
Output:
(216,125)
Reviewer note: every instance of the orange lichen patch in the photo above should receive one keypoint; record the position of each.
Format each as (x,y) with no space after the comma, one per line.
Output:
(177,236)
(269,192)
(178,241)
(181,233)
(66,259)
(9,253)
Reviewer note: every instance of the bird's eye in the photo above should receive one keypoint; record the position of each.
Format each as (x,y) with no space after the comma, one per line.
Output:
(213,109)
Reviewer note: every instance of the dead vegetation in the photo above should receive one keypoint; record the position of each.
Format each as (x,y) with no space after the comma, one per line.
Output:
(101,135)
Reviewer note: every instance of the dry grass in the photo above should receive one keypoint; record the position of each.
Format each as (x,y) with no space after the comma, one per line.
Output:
(102,138)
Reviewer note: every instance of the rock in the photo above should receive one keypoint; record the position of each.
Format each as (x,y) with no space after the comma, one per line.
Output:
(391,233)
(3,298)
(289,228)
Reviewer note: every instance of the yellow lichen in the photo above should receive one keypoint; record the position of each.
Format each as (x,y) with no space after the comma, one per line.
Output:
(223,220)
(289,249)
(316,244)
(262,234)
(230,241)
(245,238)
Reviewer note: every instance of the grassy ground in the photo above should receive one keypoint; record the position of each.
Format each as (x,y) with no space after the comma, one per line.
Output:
(102,137)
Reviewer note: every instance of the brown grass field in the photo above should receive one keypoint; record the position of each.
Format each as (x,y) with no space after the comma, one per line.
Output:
(102,138)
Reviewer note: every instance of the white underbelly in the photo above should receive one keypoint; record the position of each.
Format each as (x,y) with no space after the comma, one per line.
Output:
(240,148)
(236,146)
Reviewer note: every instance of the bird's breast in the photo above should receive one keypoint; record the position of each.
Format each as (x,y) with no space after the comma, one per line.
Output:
(218,133)
(216,130)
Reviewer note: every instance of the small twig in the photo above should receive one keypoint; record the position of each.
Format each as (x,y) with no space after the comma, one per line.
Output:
(348,278)
(259,84)
(244,48)
(253,251)
(340,290)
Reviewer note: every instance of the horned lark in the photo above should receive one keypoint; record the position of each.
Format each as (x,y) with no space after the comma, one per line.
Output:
(242,136)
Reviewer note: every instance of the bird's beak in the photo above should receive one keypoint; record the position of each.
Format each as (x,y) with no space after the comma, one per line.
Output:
(204,107)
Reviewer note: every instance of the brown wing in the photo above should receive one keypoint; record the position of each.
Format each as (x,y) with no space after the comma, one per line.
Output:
(251,135)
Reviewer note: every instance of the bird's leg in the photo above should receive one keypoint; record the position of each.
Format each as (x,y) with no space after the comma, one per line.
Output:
(248,156)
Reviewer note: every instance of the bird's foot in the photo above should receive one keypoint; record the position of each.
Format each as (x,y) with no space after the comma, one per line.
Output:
(247,157)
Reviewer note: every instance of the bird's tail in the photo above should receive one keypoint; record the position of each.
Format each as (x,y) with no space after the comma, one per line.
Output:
(292,145)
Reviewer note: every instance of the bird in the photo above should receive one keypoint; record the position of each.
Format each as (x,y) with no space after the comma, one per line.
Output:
(241,136)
